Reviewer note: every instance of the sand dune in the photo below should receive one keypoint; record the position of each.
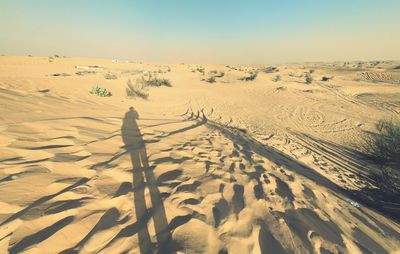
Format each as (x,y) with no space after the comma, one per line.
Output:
(228,167)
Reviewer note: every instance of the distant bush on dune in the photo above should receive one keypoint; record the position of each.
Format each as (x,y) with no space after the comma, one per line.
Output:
(220,74)
(270,69)
(251,77)
(384,148)
(100,91)
(136,90)
(132,72)
(140,88)
(110,76)
(153,80)
(211,79)
(277,78)
(60,74)
(325,78)
(83,73)
(201,70)
(309,78)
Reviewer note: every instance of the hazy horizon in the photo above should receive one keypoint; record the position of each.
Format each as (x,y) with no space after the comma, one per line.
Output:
(175,31)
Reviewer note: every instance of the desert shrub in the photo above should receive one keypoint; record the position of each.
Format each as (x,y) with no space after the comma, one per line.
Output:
(153,80)
(216,74)
(220,75)
(82,73)
(309,78)
(60,74)
(384,148)
(325,78)
(132,72)
(251,77)
(110,76)
(201,70)
(100,91)
(277,78)
(211,79)
(312,71)
(136,90)
(270,69)
(397,67)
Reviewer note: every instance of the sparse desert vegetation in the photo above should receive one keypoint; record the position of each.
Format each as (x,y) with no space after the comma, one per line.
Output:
(110,76)
(136,90)
(100,91)
(277,78)
(83,73)
(152,80)
(60,74)
(270,69)
(309,78)
(325,78)
(252,76)
(211,79)
(384,148)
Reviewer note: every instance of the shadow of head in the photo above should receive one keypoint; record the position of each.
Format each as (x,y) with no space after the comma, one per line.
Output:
(130,132)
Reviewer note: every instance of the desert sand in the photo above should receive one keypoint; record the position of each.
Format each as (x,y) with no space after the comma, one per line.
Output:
(233,166)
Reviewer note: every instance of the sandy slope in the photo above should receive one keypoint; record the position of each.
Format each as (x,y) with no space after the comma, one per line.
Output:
(229,167)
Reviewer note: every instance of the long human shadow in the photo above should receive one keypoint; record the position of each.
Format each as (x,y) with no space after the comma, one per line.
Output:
(143,177)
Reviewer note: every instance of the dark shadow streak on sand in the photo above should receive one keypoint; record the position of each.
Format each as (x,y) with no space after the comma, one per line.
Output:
(143,177)
(43,200)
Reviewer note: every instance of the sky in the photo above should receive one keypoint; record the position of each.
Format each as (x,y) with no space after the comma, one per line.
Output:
(207,31)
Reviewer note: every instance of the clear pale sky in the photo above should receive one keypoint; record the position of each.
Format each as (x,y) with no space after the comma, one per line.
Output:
(208,31)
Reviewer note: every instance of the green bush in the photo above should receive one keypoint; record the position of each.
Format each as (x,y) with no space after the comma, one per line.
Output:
(277,78)
(309,78)
(384,148)
(100,91)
